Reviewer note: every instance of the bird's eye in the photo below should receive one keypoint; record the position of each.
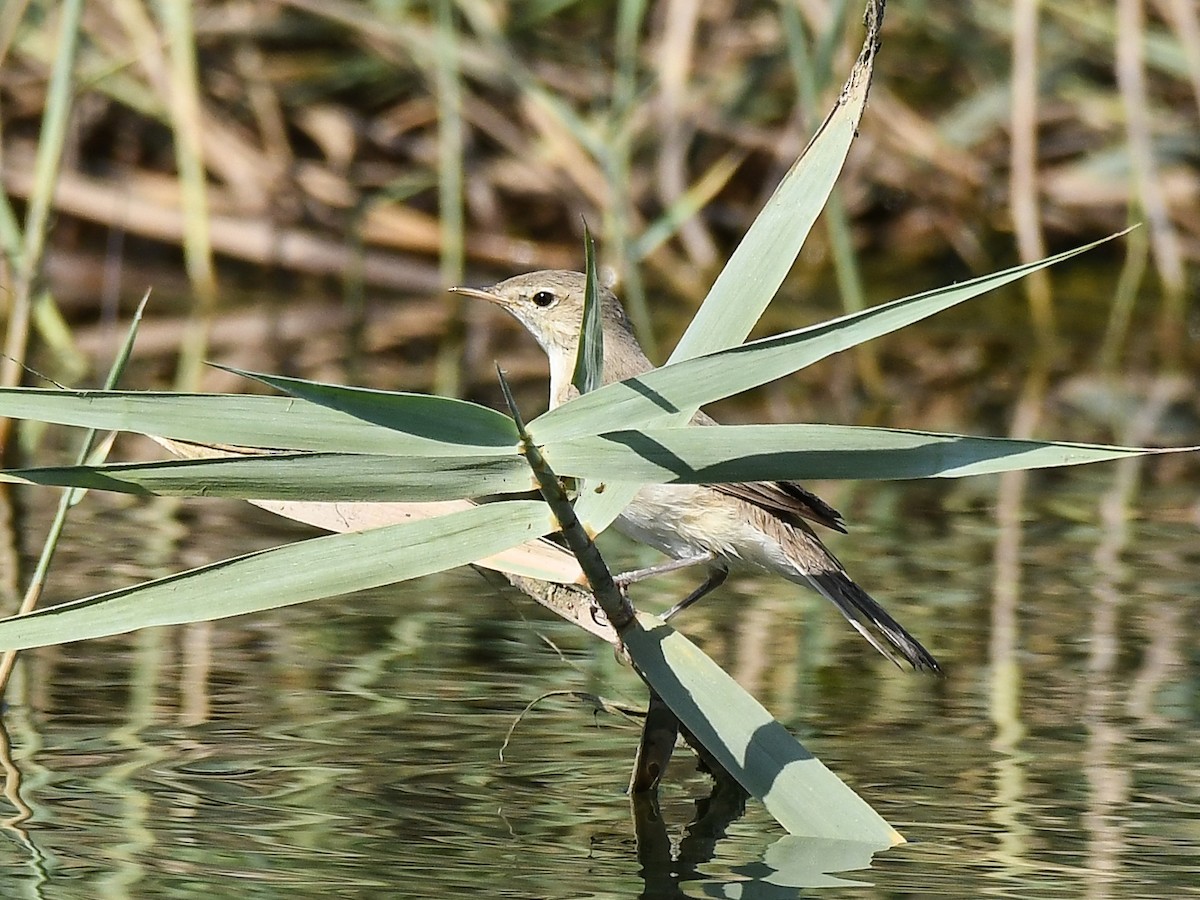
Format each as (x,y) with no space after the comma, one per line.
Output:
(544,299)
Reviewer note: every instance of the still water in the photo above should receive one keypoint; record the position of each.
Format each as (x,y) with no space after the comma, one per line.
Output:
(352,747)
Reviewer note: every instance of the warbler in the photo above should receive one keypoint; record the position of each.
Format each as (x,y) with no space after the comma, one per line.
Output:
(761,525)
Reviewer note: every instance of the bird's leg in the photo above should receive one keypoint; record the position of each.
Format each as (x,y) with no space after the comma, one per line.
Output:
(716,578)
(671,565)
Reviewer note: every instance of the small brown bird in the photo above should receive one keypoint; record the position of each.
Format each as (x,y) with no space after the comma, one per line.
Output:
(763,525)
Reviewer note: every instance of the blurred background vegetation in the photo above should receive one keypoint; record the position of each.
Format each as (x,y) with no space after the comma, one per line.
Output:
(299,181)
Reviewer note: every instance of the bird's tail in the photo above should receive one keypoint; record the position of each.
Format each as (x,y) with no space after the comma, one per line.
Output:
(871,620)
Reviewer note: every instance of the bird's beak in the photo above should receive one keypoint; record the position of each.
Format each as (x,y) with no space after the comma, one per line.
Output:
(477,294)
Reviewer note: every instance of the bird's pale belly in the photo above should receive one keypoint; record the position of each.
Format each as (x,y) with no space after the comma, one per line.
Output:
(685,521)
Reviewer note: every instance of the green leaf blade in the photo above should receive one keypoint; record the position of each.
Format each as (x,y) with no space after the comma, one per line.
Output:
(244,420)
(769,248)
(802,794)
(434,418)
(589,358)
(323,477)
(287,575)
(734,453)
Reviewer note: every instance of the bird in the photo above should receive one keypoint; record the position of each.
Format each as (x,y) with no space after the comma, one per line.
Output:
(758,525)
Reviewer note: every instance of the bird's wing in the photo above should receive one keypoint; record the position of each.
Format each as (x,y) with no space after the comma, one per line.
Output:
(787,500)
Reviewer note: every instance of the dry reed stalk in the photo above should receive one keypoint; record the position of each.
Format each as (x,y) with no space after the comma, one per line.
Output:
(133,207)
(11,14)
(1184,16)
(232,158)
(676,54)
(1164,241)
(1023,185)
